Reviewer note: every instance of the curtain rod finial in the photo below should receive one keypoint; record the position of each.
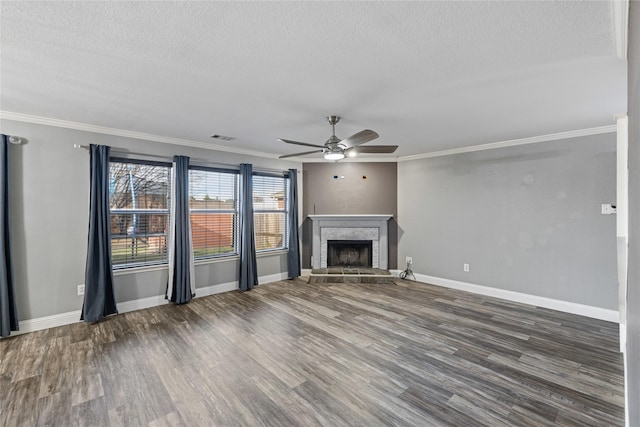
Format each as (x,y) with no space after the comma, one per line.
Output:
(16,140)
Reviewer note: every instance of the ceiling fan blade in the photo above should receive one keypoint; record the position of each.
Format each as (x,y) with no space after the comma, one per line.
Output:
(288,141)
(374,149)
(300,154)
(359,138)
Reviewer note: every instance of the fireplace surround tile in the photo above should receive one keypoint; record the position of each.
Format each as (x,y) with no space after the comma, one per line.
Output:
(350,227)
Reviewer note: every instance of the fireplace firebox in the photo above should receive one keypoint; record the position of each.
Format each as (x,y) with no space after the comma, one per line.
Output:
(349,253)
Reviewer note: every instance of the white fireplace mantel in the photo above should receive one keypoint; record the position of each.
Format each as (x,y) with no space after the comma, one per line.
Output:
(372,227)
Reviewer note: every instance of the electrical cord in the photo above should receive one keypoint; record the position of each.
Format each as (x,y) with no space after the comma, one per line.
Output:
(408,274)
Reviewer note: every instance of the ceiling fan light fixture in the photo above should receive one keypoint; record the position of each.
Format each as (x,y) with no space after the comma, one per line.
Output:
(334,155)
(336,149)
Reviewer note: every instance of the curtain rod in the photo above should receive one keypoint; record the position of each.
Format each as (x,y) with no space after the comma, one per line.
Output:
(199,162)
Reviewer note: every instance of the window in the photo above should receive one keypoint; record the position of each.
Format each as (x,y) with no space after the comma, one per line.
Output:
(270,208)
(213,204)
(139,204)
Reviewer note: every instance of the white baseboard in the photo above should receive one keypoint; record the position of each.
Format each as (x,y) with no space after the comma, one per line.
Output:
(273,278)
(46,322)
(141,303)
(216,289)
(40,323)
(554,304)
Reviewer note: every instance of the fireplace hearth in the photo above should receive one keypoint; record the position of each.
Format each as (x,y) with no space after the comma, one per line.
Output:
(349,253)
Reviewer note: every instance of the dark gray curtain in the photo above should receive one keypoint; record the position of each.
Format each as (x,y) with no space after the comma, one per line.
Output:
(99,299)
(293,255)
(180,287)
(8,309)
(248,267)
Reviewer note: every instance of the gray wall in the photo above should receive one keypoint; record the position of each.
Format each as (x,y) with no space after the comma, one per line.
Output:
(526,218)
(633,291)
(50,203)
(322,194)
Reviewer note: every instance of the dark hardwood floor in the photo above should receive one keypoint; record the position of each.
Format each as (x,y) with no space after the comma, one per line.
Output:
(294,354)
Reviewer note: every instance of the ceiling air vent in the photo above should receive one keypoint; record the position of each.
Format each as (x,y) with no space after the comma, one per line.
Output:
(222,137)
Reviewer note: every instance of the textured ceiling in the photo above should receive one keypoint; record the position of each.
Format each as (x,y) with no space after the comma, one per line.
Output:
(427,76)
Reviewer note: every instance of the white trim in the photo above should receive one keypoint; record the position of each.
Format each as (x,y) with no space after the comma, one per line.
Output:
(141,303)
(70,317)
(513,142)
(216,289)
(553,304)
(47,322)
(273,278)
(352,217)
(197,262)
(140,269)
(27,118)
(214,260)
(270,252)
(622,220)
(620,22)
(55,320)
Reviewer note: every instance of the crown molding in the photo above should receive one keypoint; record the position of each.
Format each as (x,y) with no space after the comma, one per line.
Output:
(27,118)
(513,142)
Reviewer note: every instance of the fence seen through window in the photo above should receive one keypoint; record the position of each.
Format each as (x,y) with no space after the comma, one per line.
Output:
(140,197)
(270,206)
(213,205)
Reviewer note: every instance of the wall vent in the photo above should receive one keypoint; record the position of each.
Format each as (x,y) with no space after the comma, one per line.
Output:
(222,137)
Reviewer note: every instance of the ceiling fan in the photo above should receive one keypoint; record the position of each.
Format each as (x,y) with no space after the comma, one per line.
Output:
(337,149)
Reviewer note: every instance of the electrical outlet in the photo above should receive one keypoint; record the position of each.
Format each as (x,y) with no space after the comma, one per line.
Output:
(409,260)
(80,289)
(608,209)
(465,267)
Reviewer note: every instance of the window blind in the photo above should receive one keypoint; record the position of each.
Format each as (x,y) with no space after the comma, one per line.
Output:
(270,207)
(213,204)
(139,206)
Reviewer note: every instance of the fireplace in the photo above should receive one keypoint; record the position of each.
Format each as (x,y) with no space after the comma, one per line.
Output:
(349,253)
(371,228)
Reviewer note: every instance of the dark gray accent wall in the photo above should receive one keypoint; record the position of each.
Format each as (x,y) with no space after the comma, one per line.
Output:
(526,218)
(50,218)
(633,290)
(353,194)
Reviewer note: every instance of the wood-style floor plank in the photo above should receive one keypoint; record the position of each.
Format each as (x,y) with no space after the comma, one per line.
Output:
(291,353)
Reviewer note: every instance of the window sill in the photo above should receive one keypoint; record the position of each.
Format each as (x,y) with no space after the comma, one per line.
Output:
(272,252)
(157,267)
(215,260)
(141,269)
